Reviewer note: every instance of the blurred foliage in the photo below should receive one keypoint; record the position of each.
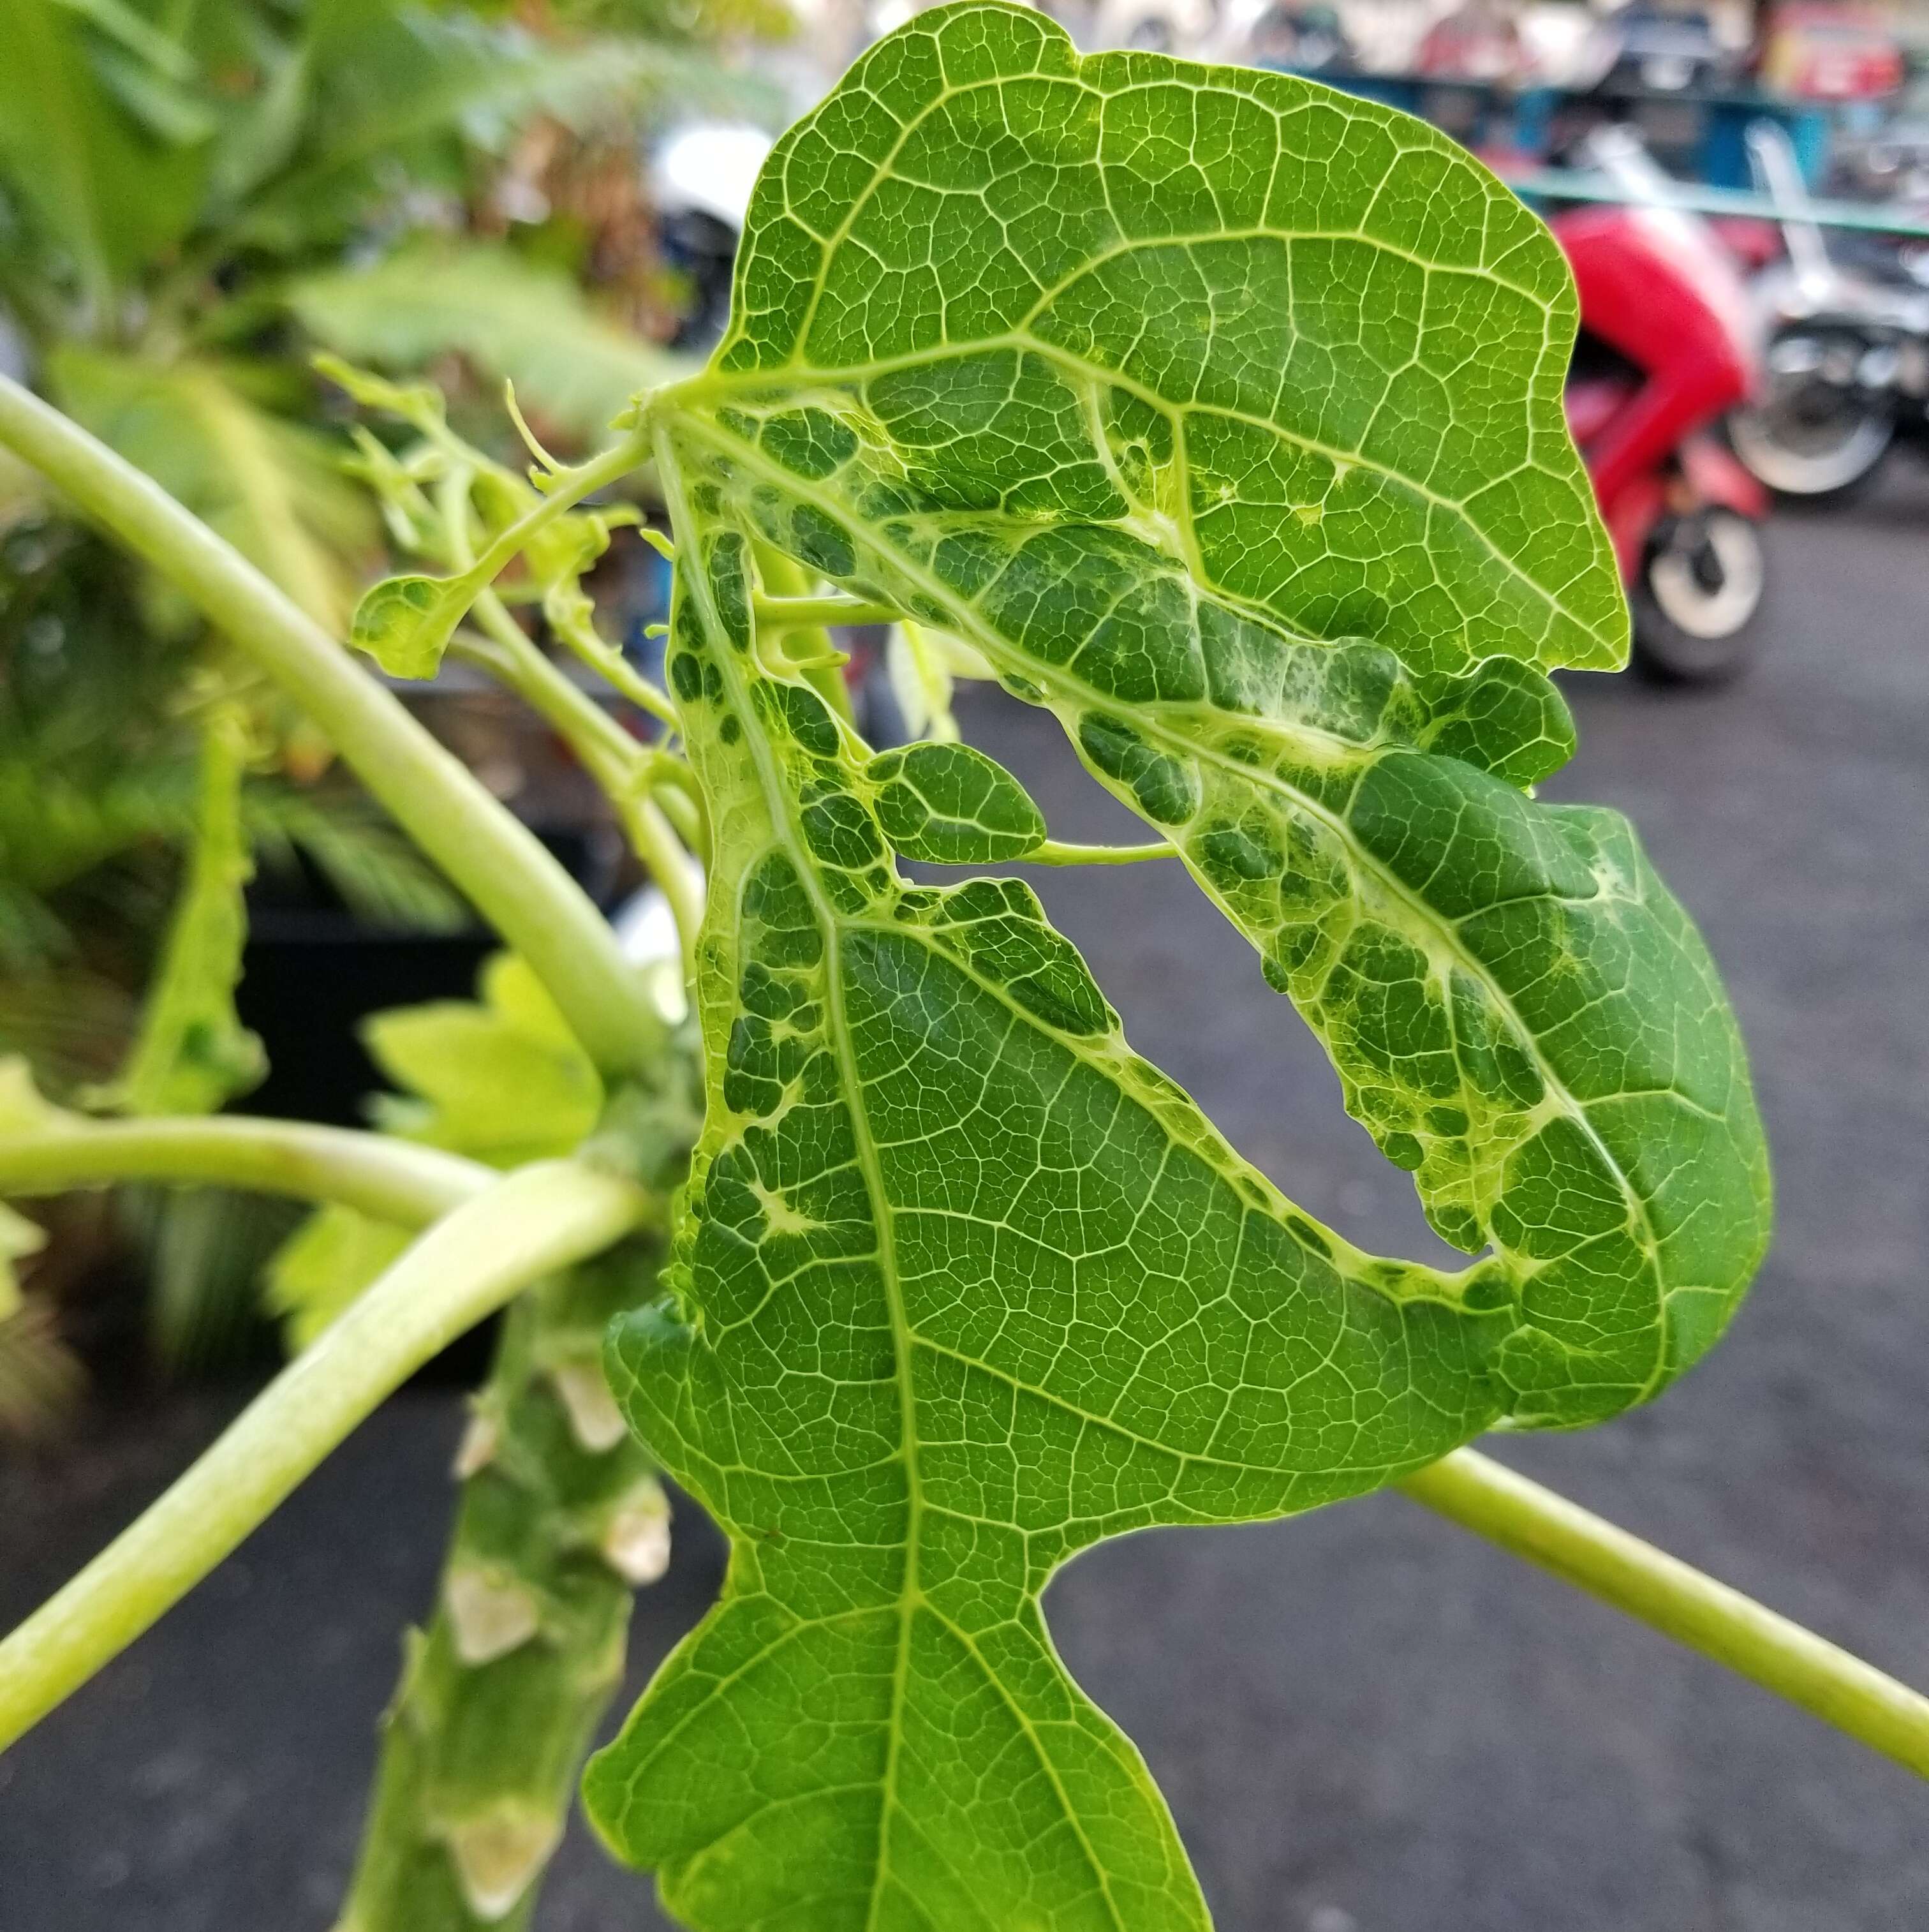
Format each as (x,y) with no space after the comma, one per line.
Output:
(194,194)
(168,179)
(500,1078)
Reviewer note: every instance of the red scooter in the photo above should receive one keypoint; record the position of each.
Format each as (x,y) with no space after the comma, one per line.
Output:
(1667,347)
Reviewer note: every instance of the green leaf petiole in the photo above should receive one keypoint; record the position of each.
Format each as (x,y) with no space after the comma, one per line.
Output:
(1679,1601)
(539,1219)
(393,1180)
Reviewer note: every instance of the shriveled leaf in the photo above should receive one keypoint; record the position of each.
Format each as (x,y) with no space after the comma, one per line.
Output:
(1220,416)
(404,622)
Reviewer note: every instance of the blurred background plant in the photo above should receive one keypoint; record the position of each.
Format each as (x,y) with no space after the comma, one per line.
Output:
(194,197)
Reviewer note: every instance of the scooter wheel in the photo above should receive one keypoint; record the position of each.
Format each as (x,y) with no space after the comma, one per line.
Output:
(1811,459)
(1697,598)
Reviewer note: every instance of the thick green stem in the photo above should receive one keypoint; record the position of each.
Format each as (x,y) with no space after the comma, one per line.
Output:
(561,1517)
(538,1220)
(498,863)
(1679,1601)
(392,1179)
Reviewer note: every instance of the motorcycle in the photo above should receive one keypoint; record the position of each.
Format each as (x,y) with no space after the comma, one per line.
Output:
(1668,347)
(1848,353)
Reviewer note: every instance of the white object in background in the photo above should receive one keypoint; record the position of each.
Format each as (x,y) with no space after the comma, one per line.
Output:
(710,167)
(646,933)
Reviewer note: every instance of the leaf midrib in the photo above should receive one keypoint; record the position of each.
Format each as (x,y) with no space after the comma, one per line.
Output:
(904,1338)
(777,805)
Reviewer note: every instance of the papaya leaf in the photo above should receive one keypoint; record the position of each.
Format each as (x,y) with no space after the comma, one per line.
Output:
(960,1286)
(404,622)
(1220,416)
(501,1079)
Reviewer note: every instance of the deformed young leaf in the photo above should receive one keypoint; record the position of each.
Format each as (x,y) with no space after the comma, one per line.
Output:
(1220,416)
(404,622)
(951,804)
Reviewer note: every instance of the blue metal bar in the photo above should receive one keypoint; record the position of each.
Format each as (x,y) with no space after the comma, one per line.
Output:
(1569,184)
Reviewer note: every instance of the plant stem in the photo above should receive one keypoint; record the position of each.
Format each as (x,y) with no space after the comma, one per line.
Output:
(620,767)
(810,644)
(543,1218)
(567,488)
(498,863)
(392,1179)
(1056,852)
(1679,1601)
(561,1517)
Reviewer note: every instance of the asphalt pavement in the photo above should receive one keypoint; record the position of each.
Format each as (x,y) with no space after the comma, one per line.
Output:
(1365,1721)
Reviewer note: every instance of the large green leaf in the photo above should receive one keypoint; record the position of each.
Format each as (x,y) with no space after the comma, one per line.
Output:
(1220,416)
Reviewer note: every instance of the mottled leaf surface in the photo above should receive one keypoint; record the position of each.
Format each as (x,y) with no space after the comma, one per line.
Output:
(1220,416)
